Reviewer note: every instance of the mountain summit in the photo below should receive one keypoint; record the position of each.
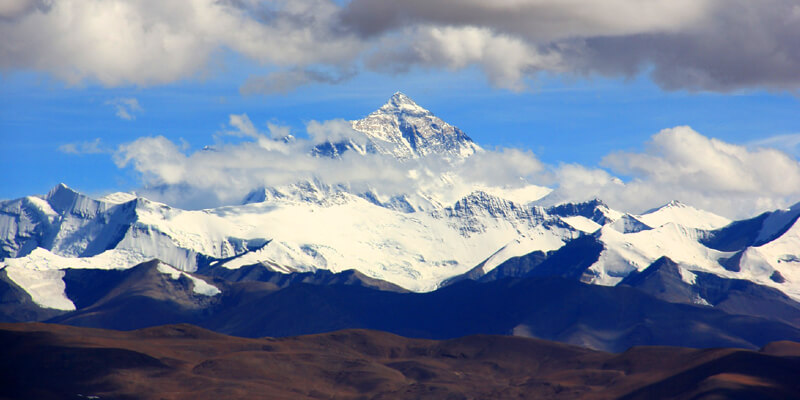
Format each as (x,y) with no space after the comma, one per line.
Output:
(399,102)
(403,129)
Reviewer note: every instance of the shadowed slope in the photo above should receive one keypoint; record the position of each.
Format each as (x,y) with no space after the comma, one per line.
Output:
(553,308)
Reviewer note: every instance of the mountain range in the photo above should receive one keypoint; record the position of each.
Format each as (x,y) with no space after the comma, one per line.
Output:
(301,249)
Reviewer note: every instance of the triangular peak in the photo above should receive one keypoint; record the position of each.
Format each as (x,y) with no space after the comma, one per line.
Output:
(589,209)
(405,130)
(684,215)
(663,265)
(60,188)
(62,197)
(399,102)
(670,204)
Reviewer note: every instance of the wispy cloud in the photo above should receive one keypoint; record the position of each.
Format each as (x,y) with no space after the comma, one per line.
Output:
(706,45)
(789,143)
(90,147)
(289,80)
(126,107)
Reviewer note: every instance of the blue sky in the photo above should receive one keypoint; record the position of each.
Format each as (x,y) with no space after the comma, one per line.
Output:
(559,120)
(59,119)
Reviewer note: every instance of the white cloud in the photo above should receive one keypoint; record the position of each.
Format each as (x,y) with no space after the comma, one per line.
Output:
(682,164)
(337,130)
(12,9)
(536,20)
(243,125)
(504,59)
(696,45)
(225,175)
(500,167)
(126,107)
(677,163)
(143,42)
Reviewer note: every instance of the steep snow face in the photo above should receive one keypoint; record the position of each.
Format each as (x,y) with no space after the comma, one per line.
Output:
(41,274)
(415,250)
(200,286)
(582,223)
(627,252)
(315,228)
(631,243)
(591,215)
(684,215)
(542,239)
(777,222)
(46,287)
(777,262)
(405,130)
(69,224)
(317,192)
(118,197)
(64,221)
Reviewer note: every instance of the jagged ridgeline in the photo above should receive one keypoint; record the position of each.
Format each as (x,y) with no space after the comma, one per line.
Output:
(415,242)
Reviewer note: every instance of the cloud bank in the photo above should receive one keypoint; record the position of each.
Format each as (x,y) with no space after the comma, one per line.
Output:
(679,163)
(225,173)
(709,45)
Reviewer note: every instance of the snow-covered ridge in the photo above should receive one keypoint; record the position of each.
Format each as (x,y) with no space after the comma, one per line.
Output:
(416,250)
(336,230)
(682,214)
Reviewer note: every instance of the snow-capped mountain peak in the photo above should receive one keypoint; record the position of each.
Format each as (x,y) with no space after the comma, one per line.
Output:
(400,103)
(61,197)
(403,129)
(682,214)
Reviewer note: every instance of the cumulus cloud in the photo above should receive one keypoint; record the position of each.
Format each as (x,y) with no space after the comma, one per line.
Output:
(13,9)
(126,107)
(142,42)
(680,163)
(225,175)
(500,167)
(91,147)
(676,164)
(696,45)
(504,59)
(683,44)
(533,19)
(337,130)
